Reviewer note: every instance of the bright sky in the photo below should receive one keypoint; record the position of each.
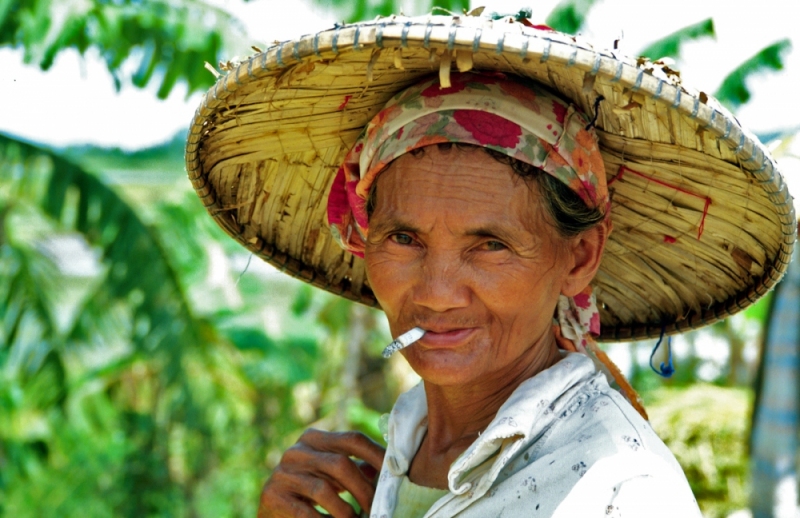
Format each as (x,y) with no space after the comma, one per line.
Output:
(75,102)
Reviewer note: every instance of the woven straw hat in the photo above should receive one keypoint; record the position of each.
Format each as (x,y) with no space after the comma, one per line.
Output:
(703,222)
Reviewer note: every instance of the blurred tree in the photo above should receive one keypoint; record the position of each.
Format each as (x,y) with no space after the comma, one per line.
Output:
(358,10)
(670,45)
(733,91)
(712,452)
(90,303)
(169,40)
(115,395)
(569,15)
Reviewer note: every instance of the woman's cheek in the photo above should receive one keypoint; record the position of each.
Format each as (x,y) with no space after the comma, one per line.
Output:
(501,270)
(387,272)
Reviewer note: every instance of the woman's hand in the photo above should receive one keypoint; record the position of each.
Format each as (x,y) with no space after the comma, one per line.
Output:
(316,469)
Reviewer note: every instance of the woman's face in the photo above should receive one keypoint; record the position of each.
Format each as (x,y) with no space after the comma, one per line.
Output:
(460,246)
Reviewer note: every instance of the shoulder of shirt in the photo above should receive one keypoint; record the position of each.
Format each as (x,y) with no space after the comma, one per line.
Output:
(601,423)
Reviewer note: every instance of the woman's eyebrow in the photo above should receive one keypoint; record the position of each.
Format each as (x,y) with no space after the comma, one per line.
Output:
(393,224)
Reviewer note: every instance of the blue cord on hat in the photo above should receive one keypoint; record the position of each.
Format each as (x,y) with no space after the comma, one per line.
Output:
(666,370)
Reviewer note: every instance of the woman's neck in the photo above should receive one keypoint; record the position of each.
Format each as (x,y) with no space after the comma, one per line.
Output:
(458,414)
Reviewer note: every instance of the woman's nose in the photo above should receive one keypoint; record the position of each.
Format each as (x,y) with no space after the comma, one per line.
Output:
(442,284)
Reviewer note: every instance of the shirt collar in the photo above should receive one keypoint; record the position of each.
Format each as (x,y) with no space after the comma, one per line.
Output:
(528,412)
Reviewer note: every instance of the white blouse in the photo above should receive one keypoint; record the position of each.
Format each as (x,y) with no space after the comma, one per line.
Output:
(564,445)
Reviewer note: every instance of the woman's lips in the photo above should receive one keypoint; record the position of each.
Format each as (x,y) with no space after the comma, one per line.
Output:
(450,338)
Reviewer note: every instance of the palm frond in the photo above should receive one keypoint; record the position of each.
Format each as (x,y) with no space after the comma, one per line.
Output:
(166,39)
(670,45)
(569,15)
(137,269)
(734,91)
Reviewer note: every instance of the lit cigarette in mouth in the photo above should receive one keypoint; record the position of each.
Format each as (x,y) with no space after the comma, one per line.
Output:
(403,341)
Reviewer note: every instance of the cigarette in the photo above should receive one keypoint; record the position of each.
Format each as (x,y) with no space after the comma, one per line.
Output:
(403,341)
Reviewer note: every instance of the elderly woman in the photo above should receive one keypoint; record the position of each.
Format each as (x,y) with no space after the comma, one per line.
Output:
(480,206)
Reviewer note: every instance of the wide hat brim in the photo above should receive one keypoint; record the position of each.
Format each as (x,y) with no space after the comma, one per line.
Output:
(703,222)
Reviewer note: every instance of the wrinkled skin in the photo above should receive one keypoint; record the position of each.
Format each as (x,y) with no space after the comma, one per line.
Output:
(462,247)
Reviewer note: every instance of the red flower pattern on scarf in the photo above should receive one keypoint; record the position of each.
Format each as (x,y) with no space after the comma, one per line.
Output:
(560,111)
(489,129)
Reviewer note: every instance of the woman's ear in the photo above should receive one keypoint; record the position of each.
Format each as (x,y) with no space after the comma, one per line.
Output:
(587,252)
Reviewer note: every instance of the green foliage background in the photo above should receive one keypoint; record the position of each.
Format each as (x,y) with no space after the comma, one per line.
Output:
(137,374)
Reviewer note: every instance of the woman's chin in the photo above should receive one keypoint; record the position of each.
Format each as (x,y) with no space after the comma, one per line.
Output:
(444,367)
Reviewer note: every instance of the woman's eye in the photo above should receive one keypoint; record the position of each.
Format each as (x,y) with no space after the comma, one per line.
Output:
(401,239)
(494,246)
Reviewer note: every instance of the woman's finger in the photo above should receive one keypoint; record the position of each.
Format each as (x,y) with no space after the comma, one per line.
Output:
(278,501)
(344,472)
(294,508)
(368,471)
(322,492)
(352,444)
(337,468)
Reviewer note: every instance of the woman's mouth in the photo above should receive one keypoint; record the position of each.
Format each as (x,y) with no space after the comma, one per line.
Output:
(448,338)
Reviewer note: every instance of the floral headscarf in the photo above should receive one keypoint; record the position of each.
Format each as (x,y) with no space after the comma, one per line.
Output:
(525,122)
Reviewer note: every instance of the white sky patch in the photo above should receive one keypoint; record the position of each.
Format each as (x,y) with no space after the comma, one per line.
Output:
(72,255)
(267,21)
(273,321)
(620,354)
(787,153)
(715,350)
(75,101)
(220,279)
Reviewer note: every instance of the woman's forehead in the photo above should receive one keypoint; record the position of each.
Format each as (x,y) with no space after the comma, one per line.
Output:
(464,187)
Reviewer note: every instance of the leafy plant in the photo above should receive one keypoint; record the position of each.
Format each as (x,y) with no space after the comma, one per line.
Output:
(360,10)
(670,45)
(108,379)
(711,451)
(166,39)
(734,91)
(74,201)
(569,15)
